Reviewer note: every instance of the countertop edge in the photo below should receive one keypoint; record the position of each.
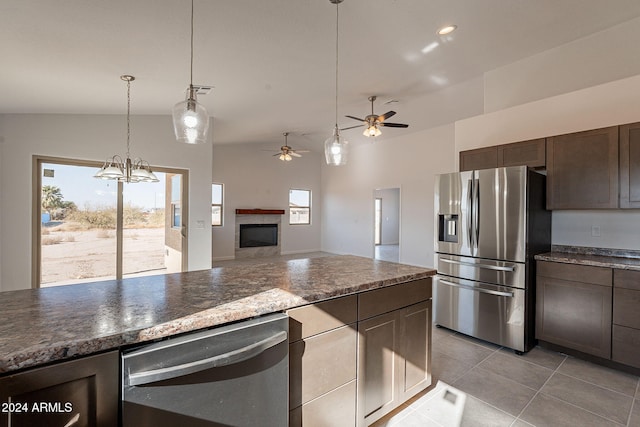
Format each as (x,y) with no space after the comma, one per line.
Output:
(591,260)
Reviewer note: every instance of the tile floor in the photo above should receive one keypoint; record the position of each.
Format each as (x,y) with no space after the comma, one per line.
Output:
(539,388)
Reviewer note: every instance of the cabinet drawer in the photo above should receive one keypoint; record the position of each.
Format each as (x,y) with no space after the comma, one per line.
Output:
(373,303)
(627,279)
(334,409)
(321,317)
(625,344)
(321,363)
(626,307)
(576,273)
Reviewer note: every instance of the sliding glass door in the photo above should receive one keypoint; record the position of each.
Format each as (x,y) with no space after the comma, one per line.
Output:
(88,229)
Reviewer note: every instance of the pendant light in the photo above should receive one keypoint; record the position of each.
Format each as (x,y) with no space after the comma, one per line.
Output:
(190,118)
(127,170)
(336,148)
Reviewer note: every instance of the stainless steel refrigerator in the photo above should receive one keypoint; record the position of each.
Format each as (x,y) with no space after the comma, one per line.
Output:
(489,224)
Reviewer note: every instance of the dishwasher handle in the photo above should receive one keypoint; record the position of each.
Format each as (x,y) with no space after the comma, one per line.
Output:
(229,358)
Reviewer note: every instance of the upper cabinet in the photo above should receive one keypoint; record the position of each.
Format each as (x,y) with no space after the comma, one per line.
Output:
(582,170)
(526,153)
(630,166)
(480,158)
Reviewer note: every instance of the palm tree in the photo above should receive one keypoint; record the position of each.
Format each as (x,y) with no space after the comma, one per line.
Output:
(51,198)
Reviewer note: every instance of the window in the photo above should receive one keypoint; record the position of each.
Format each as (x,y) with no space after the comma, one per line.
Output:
(299,206)
(176,202)
(216,204)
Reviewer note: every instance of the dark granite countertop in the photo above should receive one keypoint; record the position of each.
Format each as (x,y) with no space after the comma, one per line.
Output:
(39,326)
(610,258)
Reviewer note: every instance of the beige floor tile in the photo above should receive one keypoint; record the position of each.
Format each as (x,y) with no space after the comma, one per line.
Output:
(606,403)
(546,411)
(479,414)
(446,368)
(600,375)
(518,370)
(539,356)
(634,419)
(476,341)
(461,350)
(495,390)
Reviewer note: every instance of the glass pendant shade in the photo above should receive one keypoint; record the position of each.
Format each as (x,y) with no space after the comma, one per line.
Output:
(190,121)
(336,149)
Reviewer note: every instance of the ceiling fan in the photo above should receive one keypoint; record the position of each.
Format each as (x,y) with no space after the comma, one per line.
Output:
(286,153)
(373,121)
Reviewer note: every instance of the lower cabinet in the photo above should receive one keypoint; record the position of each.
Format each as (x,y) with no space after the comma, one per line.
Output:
(322,364)
(79,393)
(394,357)
(573,307)
(626,318)
(354,359)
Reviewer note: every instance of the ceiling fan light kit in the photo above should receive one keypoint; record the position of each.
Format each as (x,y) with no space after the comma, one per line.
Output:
(336,148)
(190,118)
(127,170)
(373,121)
(287,153)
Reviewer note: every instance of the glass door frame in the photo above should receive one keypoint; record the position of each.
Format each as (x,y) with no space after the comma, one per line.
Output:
(36,229)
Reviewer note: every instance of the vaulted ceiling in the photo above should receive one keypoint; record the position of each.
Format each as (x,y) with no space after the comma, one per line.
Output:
(271,63)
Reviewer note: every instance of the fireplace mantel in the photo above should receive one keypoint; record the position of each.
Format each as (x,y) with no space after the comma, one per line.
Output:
(259,211)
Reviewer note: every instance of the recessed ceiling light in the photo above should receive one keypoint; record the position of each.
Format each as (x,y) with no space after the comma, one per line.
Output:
(447,30)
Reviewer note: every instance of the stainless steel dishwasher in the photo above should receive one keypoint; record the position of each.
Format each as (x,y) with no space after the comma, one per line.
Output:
(234,375)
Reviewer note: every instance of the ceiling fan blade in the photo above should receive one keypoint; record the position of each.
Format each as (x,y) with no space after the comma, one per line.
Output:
(355,118)
(277,154)
(352,127)
(394,125)
(303,151)
(386,115)
(294,154)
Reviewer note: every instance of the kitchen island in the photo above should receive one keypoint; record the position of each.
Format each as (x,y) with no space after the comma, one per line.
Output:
(41,326)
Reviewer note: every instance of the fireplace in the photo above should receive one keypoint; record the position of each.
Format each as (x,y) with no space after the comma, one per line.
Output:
(258,235)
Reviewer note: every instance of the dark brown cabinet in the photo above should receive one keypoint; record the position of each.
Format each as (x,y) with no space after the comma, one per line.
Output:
(394,341)
(573,307)
(322,363)
(630,166)
(526,153)
(582,170)
(82,393)
(626,317)
(480,158)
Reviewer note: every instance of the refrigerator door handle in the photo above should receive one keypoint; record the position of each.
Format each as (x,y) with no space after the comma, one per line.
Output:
(476,212)
(470,214)
(475,289)
(486,266)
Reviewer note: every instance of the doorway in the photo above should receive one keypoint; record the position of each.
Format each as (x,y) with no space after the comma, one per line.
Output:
(88,229)
(387,224)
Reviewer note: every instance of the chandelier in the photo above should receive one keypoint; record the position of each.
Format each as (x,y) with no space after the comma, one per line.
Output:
(127,170)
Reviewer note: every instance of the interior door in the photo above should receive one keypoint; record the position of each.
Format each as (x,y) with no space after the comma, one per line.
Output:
(499,219)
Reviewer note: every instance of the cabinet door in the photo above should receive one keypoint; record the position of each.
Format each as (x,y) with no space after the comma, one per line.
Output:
(574,314)
(415,349)
(582,170)
(379,366)
(82,393)
(630,166)
(480,158)
(526,153)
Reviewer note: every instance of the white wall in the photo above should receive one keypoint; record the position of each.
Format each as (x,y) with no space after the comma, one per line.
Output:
(90,137)
(608,55)
(408,162)
(390,210)
(253,178)
(608,104)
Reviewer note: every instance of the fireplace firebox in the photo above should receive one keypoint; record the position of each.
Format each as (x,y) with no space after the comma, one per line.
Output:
(258,235)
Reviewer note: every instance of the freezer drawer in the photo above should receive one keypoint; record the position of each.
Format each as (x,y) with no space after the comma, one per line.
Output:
(489,312)
(504,273)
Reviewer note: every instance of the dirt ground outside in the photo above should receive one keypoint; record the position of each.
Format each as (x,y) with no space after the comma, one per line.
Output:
(75,256)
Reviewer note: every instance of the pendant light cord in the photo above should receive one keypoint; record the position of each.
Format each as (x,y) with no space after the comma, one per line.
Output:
(191,75)
(128,115)
(337,35)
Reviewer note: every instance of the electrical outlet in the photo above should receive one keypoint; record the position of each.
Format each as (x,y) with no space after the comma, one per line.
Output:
(595,231)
